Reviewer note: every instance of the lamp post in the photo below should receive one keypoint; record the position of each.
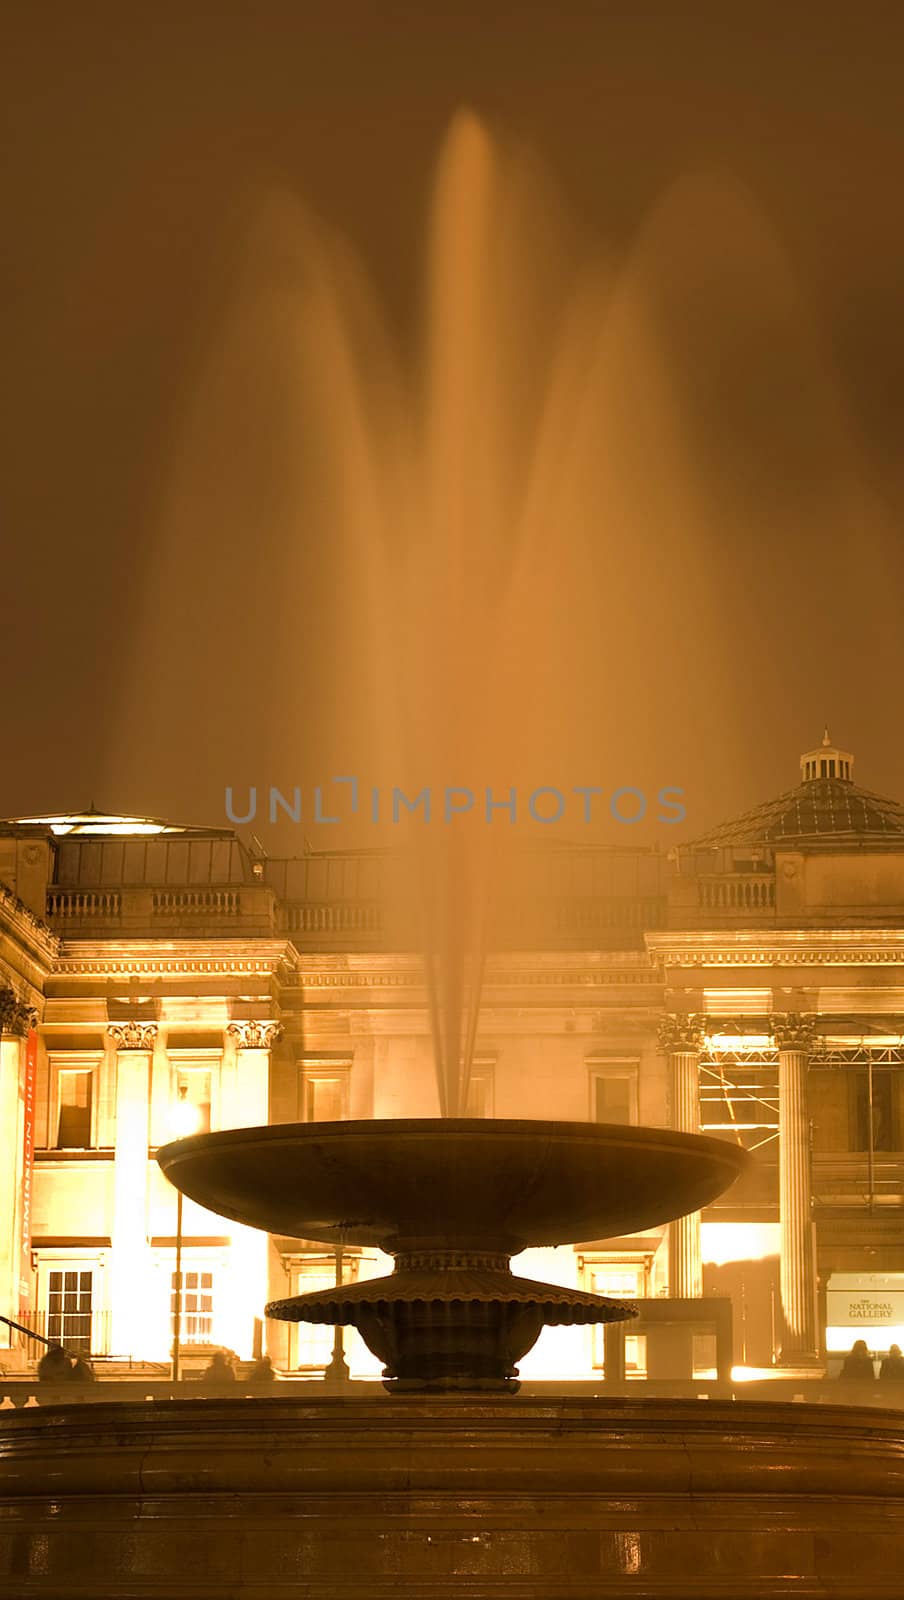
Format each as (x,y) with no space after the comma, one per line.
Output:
(185,1120)
(338,1371)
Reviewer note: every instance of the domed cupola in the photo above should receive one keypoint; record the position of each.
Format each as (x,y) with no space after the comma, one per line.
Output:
(826,805)
(826,762)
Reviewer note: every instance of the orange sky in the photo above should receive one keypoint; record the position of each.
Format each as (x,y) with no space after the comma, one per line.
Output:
(750,160)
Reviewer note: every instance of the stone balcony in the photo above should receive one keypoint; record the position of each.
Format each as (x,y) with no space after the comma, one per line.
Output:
(176,911)
(723,900)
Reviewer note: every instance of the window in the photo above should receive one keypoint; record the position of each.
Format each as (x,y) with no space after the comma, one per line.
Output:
(75,1103)
(312,1343)
(324,1091)
(197,1307)
(613,1092)
(192,1088)
(69,1310)
(620,1280)
(704,1355)
(479,1102)
(883,1110)
(325,1100)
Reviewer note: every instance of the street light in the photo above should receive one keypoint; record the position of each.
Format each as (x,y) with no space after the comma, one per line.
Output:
(337,1370)
(185,1119)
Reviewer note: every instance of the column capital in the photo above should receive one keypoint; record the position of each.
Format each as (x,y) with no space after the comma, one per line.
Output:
(792,1031)
(254,1035)
(16,1016)
(681,1031)
(133,1035)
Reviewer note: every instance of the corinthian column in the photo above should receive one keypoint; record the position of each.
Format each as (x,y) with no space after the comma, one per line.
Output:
(134,1043)
(800,1344)
(681,1039)
(245,1103)
(15,1020)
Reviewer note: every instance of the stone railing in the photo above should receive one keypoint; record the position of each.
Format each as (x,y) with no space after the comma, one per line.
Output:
(336,917)
(151,909)
(196,903)
(750,893)
(575,920)
(579,915)
(84,905)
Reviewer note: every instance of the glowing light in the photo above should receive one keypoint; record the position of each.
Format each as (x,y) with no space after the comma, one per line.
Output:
(722,1242)
(878,1336)
(94,822)
(737,1043)
(184,1116)
(109,827)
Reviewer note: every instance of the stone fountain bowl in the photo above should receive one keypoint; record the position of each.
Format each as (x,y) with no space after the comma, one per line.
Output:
(452,1201)
(499,1185)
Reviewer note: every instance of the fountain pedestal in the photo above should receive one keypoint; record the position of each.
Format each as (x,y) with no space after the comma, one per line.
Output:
(449,1320)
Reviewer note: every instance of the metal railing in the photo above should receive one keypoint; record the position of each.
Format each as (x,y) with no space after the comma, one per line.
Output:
(87,1332)
(844,1178)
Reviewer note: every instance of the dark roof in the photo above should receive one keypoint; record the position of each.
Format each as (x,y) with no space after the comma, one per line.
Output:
(819,810)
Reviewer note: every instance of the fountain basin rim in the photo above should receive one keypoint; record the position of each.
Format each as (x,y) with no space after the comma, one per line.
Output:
(560,1305)
(452,1183)
(477,1128)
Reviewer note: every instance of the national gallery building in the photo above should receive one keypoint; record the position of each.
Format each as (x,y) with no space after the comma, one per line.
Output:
(157,979)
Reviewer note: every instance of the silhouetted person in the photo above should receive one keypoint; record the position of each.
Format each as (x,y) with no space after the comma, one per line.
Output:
(262,1371)
(55,1366)
(859,1364)
(220,1369)
(82,1370)
(893,1365)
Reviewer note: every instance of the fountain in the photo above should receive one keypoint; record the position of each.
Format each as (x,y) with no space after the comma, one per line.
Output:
(451,1200)
(453,1485)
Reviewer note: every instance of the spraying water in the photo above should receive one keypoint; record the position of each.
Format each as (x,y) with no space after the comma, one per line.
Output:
(509,538)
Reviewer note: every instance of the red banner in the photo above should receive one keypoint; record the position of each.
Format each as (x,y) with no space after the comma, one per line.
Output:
(28,1150)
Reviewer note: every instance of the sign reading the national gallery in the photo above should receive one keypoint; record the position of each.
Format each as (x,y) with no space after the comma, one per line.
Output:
(855,1308)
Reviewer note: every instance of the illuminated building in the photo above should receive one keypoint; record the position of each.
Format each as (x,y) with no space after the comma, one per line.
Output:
(753,986)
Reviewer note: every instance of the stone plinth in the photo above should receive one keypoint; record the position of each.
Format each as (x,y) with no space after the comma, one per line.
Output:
(337,1499)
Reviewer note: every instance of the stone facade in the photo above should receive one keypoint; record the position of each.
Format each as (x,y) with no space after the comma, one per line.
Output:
(154,979)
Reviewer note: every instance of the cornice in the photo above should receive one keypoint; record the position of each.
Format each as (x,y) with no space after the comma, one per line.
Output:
(535,970)
(491,983)
(847,947)
(158,958)
(27,928)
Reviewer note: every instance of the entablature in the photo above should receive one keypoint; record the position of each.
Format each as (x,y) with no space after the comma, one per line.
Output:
(849,947)
(185,958)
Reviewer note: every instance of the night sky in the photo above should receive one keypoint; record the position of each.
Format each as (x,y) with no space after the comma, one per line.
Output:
(741,163)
